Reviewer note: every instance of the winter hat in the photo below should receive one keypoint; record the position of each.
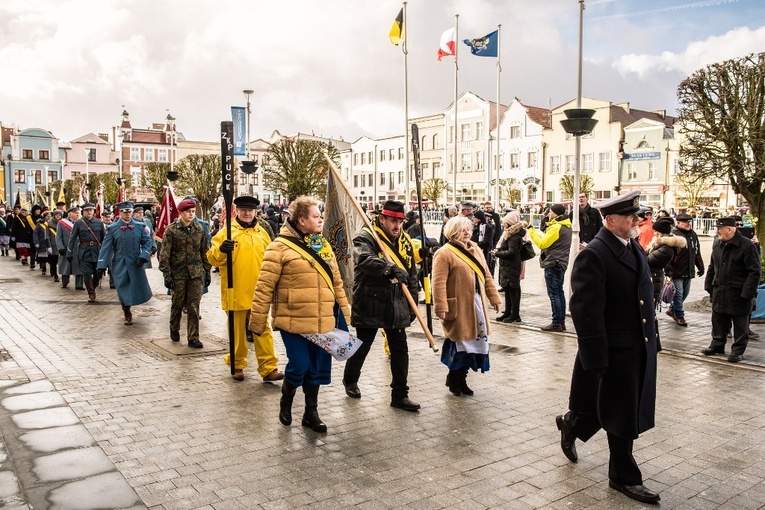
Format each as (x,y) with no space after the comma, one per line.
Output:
(558,209)
(662,225)
(511,218)
(480,215)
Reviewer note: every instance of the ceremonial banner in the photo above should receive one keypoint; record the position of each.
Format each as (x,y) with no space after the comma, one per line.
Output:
(396,33)
(240,130)
(448,44)
(342,221)
(485,46)
(168,214)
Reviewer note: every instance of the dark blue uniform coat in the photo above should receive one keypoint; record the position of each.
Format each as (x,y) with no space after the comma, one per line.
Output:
(613,312)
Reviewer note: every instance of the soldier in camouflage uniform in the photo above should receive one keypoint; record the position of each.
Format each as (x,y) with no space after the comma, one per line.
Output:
(183,262)
(90,232)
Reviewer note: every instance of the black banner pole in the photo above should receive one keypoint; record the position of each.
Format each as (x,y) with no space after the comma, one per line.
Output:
(227,171)
(425,264)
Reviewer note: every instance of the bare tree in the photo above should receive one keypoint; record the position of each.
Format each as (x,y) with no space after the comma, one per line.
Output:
(722,115)
(693,187)
(566,186)
(297,167)
(510,190)
(154,177)
(432,189)
(200,176)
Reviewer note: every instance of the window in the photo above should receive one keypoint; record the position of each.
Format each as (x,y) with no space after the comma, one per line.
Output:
(382,179)
(451,163)
(554,164)
(570,164)
(91,155)
(479,160)
(254,158)
(390,181)
(465,132)
(370,180)
(148,155)
(18,176)
(676,166)
(265,159)
(363,158)
(382,155)
(355,181)
(401,177)
(424,144)
(604,162)
(135,154)
(436,169)
(371,157)
(532,159)
(436,142)
(451,134)
(549,195)
(601,195)
(43,154)
(652,171)
(162,155)
(515,159)
(355,159)
(515,131)
(26,154)
(479,130)
(400,153)
(587,163)
(424,169)
(254,179)
(631,172)
(135,173)
(38,176)
(466,162)
(52,175)
(391,154)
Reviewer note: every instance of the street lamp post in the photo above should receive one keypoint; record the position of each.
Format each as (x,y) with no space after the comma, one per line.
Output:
(250,167)
(171,125)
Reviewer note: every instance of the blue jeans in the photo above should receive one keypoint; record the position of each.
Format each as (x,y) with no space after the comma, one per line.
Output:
(554,282)
(682,289)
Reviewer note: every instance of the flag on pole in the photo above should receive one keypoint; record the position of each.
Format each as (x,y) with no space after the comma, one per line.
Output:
(240,130)
(448,46)
(485,46)
(18,199)
(342,221)
(168,214)
(99,200)
(396,33)
(61,197)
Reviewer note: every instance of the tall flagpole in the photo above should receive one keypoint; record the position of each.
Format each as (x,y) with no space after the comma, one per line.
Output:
(498,165)
(456,89)
(407,175)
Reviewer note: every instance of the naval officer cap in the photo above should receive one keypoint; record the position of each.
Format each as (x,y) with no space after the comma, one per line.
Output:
(246,202)
(623,205)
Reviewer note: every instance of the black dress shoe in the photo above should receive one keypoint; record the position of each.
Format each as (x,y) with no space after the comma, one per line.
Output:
(175,336)
(405,404)
(510,320)
(636,492)
(196,344)
(709,351)
(352,389)
(567,439)
(735,358)
(503,317)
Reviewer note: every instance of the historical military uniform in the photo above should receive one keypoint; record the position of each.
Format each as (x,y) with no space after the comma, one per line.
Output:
(183,262)
(128,246)
(90,233)
(67,267)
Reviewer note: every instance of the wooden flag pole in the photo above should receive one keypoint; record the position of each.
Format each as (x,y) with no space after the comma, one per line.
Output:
(368,224)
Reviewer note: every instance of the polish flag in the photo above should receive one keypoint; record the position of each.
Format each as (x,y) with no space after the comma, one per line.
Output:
(448,46)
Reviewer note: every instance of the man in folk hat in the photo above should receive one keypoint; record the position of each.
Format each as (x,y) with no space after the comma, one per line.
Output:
(379,301)
(613,385)
(247,247)
(89,231)
(686,265)
(184,265)
(127,246)
(68,267)
(732,278)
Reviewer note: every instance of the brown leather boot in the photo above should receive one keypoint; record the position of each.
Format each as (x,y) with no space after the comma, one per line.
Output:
(91,290)
(128,315)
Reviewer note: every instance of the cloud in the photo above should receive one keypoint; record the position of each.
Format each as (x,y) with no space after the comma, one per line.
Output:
(698,54)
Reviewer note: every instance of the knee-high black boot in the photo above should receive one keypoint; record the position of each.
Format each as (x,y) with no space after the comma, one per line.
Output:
(311,415)
(285,404)
(463,372)
(515,299)
(453,382)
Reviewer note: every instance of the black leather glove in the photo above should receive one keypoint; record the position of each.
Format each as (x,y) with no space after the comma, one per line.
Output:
(169,283)
(153,250)
(227,246)
(62,252)
(423,253)
(399,274)
(208,279)
(140,262)
(700,273)
(101,273)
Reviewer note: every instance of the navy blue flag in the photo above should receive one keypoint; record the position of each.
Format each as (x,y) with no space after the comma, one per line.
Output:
(485,46)
(240,130)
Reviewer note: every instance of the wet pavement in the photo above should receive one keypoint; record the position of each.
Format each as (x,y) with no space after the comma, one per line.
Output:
(97,415)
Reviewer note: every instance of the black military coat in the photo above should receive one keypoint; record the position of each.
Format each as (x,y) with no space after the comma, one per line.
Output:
(612,309)
(733,275)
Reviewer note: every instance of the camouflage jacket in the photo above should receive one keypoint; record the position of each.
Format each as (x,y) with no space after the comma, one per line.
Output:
(184,251)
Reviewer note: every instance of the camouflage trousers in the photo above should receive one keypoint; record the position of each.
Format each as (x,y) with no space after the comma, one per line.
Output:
(186,294)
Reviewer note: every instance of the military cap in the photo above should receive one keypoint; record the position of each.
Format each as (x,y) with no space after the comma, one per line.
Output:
(728,221)
(645,210)
(623,205)
(88,206)
(186,204)
(125,206)
(246,202)
(73,209)
(138,209)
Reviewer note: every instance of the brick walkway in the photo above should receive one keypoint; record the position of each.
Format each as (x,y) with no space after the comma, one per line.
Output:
(177,432)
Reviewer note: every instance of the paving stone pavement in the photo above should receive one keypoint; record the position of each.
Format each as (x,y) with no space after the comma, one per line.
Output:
(168,424)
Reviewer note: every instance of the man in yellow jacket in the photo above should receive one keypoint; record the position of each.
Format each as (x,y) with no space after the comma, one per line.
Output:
(247,245)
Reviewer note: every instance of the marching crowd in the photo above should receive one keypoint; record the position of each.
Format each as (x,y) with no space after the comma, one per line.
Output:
(285,276)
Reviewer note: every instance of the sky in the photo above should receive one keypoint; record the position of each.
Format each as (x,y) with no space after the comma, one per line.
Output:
(328,67)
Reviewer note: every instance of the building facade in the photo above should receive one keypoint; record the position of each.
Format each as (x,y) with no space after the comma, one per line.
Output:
(31,161)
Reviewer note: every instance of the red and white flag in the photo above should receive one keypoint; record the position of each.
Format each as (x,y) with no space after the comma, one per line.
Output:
(448,46)
(168,214)
(100,200)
